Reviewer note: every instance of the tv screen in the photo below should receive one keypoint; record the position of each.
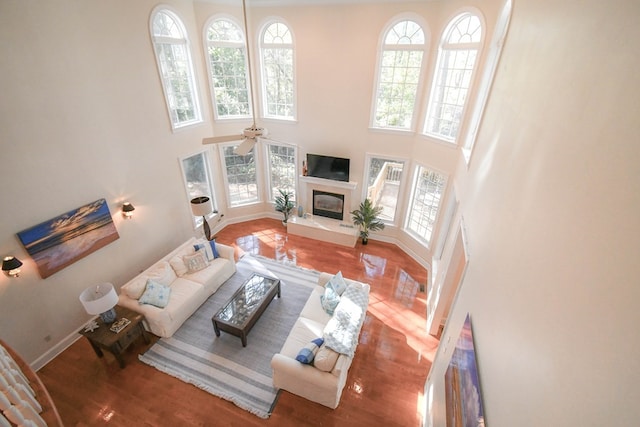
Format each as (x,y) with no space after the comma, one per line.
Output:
(328,167)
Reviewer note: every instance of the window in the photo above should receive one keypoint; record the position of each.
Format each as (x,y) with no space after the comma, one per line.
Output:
(277,72)
(428,187)
(197,179)
(459,48)
(227,56)
(171,47)
(399,72)
(240,176)
(282,169)
(493,56)
(384,179)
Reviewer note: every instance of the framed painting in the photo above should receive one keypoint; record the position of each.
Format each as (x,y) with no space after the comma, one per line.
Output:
(462,385)
(63,240)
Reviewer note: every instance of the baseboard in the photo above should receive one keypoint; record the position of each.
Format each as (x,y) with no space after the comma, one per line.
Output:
(54,351)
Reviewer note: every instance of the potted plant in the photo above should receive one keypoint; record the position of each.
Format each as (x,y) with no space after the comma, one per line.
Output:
(366,217)
(284,204)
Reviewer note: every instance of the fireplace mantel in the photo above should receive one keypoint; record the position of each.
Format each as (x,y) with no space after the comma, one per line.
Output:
(351,185)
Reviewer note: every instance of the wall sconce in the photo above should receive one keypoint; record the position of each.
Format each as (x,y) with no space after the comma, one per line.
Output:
(127,210)
(202,206)
(11,266)
(100,299)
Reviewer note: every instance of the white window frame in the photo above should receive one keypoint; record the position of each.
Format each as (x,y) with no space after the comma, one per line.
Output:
(417,169)
(223,161)
(403,182)
(484,87)
(207,44)
(268,179)
(266,101)
(384,48)
(436,99)
(176,123)
(190,192)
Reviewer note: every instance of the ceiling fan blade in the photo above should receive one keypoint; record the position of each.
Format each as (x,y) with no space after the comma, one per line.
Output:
(245,147)
(218,139)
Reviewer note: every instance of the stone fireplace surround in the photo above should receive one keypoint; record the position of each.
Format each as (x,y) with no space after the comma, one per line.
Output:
(322,228)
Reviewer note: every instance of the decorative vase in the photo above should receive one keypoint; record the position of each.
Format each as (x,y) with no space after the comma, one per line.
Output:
(300,211)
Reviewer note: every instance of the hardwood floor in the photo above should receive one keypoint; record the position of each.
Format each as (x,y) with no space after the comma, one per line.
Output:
(385,382)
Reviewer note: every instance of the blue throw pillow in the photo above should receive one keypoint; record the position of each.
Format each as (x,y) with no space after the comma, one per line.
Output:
(329,299)
(206,248)
(213,248)
(309,351)
(155,294)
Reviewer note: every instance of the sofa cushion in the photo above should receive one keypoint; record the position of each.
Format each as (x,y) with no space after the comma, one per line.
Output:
(313,307)
(325,359)
(337,283)
(162,273)
(155,294)
(212,277)
(307,353)
(329,299)
(303,331)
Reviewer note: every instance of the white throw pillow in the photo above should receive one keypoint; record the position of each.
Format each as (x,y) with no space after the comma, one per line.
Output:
(135,288)
(338,283)
(163,274)
(178,265)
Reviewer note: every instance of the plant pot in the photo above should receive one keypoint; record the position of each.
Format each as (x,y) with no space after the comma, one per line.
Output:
(365,240)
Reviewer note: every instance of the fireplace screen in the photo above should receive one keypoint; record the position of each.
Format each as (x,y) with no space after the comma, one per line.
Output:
(330,205)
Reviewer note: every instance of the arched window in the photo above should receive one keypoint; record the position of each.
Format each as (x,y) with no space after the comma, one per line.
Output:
(171,46)
(227,60)
(399,76)
(278,88)
(459,48)
(484,86)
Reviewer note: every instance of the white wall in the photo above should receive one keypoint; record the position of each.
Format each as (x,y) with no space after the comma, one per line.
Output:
(551,203)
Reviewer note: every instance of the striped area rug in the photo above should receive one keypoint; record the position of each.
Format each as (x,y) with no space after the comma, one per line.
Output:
(220,365)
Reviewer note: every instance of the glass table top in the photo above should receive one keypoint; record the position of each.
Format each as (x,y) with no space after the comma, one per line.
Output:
(246,299)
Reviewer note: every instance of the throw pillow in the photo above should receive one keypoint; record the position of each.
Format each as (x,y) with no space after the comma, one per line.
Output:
(135,289)
(195,262)
(212,243)
(329,300)
(309,351)
(206,247)
(338,283)
(155,294)
(178,265)
(326,359)
(163,273)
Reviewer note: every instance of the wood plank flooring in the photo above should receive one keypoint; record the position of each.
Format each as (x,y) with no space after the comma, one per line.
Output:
(385,382)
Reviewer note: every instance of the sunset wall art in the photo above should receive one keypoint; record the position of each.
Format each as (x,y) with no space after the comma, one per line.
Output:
(63,240)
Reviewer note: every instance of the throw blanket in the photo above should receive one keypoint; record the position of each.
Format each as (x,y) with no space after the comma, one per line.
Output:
(341,333)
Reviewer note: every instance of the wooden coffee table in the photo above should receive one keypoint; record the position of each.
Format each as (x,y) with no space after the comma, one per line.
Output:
(242,311)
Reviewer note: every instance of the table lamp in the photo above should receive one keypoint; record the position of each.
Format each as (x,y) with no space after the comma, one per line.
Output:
(100,299)
(202,206)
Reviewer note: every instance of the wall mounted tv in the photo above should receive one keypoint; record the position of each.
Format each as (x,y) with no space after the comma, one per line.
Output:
(328,167)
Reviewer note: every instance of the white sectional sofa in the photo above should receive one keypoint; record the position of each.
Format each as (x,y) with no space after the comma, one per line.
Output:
(188,289)
(324,385)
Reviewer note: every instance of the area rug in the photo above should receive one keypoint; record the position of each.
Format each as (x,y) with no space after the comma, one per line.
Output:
(220,365)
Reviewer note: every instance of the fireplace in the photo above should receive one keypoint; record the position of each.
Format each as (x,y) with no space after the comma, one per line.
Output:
(330,205)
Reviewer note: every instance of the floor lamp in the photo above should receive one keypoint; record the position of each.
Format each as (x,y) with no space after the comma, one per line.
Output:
(202,206)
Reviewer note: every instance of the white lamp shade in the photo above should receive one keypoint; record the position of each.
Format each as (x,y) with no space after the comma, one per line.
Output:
(201,206)
(98,299)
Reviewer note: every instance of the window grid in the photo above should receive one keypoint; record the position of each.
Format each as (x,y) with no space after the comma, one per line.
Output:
(242,183)
(399,76)
(282,170)
(277,72)
(176,70)
(456,63)
(428,189)
(228,70)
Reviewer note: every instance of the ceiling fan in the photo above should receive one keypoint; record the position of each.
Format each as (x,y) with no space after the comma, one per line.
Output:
(249,135)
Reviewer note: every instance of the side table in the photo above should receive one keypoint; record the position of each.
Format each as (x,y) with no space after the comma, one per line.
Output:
(116,343)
